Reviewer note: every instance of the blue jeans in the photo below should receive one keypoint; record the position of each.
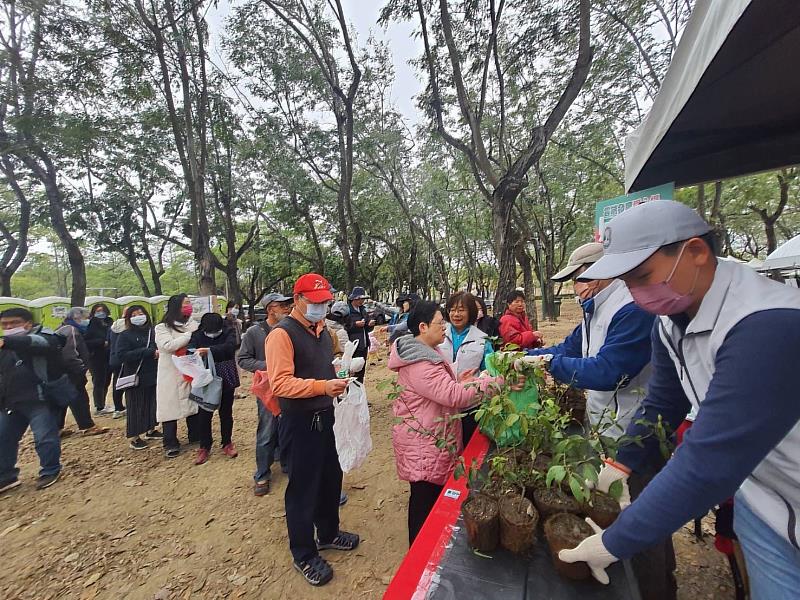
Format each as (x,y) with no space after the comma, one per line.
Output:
(773,564)
(266,443)
(43,421)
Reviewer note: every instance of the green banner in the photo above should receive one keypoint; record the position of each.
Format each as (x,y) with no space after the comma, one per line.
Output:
(605,210)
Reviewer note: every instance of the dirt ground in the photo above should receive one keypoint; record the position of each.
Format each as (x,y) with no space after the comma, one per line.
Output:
(124,524)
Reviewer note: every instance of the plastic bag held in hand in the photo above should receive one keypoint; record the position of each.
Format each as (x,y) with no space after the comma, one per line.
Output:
(192,366)
(351,427)
(593,552)
(343,365)
(539,360)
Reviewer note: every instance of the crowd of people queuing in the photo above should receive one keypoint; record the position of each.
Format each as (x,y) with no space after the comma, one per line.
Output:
(663,331)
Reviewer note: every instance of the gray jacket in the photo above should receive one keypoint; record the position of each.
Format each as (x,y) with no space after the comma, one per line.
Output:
(251,353)
(75,353)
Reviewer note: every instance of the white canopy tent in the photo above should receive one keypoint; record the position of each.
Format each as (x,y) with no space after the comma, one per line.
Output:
(785,257)
(730,102)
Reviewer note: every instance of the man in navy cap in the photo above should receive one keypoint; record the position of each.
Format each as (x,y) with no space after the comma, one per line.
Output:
(726,345)
(359,325)
(252,358)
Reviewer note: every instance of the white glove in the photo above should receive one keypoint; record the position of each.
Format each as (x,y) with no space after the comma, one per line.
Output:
(609,473)
(593,552)
(539,360)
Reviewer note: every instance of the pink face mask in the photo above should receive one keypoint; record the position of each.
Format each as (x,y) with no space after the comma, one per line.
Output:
(660,298)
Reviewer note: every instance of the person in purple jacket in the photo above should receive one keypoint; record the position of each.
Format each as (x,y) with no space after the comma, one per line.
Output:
(726,345)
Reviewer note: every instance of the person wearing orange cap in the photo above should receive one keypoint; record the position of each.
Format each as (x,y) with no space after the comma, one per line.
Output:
(299,353)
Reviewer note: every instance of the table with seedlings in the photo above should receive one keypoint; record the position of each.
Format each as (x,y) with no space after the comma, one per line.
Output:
(520,493)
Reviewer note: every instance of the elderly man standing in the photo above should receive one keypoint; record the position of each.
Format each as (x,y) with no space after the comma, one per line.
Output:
(252,358)
(300,370)
(76,362)
(359,325)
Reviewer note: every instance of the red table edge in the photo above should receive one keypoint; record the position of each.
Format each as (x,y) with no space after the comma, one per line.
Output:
(415,574)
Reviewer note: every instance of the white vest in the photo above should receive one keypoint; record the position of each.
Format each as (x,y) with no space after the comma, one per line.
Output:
(620,405)
(470,353)
(772,490)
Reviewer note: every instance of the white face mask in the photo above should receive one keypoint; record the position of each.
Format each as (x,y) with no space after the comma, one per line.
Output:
(316,312)
(16,331)
(138,320)
(235,312)
(216,334)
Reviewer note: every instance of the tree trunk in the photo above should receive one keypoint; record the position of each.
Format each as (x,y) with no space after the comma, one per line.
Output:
(503,199)
(526,265)
(5,283)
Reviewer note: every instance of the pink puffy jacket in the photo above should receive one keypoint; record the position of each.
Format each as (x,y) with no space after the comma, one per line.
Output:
(430,394)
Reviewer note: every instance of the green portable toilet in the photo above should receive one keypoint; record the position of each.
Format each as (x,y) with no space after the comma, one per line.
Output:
(6,302)
(113,305)
(126,301)
(221,301)
(50,311)
(159,304)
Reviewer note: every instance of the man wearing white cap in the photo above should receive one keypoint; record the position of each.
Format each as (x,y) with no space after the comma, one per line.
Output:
(609,352)
(727,344)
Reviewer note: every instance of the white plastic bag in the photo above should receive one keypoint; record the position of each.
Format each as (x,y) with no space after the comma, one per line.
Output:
(351,428)
(347,364)
(193,366)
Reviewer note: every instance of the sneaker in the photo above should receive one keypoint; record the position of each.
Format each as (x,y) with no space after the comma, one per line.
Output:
(230,450)
(172,452)
(45,481)
(342,499)
(118,414)
(138,444)
(343,541)
(202,457)
(10,484)
(261,488)
(94,430)
(316,571)
(104,412)
(153,435)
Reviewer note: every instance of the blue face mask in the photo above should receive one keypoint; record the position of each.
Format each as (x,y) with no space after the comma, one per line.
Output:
(100,314)
(316,312)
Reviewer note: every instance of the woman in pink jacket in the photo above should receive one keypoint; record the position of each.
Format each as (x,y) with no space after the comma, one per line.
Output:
(431,394)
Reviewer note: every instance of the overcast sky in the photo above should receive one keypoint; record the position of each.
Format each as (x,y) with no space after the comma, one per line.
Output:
(363,15)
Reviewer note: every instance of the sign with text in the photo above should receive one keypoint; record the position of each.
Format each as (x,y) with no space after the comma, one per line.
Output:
(605,210)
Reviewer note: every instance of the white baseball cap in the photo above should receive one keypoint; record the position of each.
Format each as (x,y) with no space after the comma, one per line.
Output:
(583,255)
(636,234)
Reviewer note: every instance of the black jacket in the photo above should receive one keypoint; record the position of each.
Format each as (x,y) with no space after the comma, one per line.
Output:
(19,383)
(97,335)
(489,325)
(222,347)
(354,332)
(132,347)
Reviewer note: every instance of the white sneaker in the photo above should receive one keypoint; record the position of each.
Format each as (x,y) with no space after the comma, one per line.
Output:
(104,412)
(119,414)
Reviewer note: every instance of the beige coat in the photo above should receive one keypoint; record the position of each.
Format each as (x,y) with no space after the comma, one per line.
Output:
(172,390)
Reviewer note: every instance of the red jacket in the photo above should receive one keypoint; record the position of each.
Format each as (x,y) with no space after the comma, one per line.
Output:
(515,330)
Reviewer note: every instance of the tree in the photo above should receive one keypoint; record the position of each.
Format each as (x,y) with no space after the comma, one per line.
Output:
(291,52)
(504,123)
(44,47)
(15,221)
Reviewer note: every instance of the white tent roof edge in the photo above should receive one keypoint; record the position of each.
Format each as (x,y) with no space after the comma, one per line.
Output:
(785,256)
(708,28)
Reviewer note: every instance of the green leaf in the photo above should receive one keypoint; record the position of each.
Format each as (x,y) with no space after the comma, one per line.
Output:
(577,489)
(590,473)
(615,490)
(479,414)
(555,473)
(511,419)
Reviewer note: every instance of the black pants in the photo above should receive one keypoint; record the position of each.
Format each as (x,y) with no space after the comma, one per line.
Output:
(79,406)
(170,431)
(117,395)
(101,379)
(655,567)
(315,480)
(468,425)
(202,420)
(420,503)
